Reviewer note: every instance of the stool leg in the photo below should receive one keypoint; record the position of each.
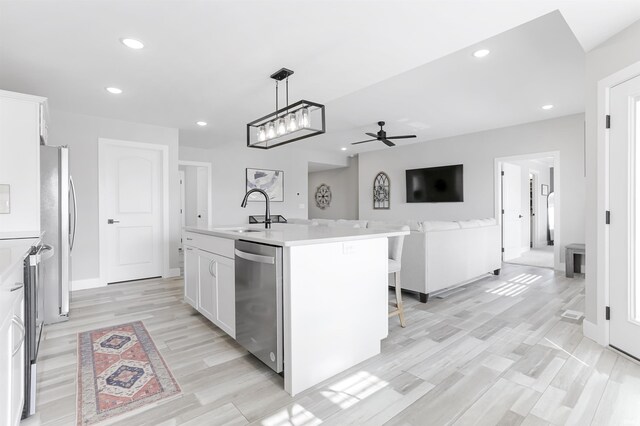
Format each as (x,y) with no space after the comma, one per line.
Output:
(568,260)
(399,299)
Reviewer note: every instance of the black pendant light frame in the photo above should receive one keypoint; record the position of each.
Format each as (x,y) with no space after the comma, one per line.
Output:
(302,133)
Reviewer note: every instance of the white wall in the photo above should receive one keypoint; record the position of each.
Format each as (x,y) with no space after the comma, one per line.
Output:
(611,56)
(344,192)
(81,132)
(477,152)
(229,178)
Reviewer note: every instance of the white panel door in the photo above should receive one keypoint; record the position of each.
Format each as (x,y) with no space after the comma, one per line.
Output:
(131,200)
(202,196)
(624,231)
(512,211)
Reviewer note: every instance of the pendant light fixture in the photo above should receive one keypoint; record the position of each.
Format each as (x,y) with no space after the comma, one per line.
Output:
(300,120)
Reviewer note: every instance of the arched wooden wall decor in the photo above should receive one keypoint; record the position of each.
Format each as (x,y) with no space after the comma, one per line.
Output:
(381,191)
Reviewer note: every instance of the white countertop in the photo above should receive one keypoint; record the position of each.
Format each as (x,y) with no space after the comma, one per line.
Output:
(284,234)
(13,252)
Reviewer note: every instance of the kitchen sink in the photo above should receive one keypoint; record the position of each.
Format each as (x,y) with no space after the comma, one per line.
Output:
(241,230)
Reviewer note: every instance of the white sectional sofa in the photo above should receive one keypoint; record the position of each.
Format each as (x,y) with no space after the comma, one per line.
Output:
(439,254)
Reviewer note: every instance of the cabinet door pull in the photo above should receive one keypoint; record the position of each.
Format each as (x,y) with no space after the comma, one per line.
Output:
(17,287)
(189,248)
(17,321)
(211,269)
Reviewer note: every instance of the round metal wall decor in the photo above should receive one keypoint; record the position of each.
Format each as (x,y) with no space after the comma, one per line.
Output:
(323,196)
(381,191)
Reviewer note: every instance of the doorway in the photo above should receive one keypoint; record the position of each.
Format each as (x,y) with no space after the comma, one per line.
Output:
(624,228)
(133,210)
(195,197)
(526,209)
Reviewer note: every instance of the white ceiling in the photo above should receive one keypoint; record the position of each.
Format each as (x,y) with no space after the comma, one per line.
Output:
(535,64)
(210,60)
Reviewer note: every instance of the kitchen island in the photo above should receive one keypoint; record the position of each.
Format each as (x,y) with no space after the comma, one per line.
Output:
(333,308)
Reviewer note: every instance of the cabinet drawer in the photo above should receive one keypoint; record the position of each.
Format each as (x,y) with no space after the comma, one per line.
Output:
(221,246)
(7,296)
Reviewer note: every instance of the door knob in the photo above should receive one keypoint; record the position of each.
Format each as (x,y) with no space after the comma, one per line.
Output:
(112,221)
(199,216)
(519,216)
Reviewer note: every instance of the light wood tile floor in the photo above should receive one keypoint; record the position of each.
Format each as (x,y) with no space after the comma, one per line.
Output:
(496,351)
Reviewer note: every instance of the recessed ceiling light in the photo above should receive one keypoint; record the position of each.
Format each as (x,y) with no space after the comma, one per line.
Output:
(132,43)
(481,53)
(343,148)
(201,123)
(547,107)
(113,90)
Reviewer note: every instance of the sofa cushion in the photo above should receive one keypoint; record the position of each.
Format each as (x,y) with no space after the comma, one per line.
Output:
(439,225)
(322,222)
(413,225)
(473,223)
(351,223)
(297,221)
(490,221)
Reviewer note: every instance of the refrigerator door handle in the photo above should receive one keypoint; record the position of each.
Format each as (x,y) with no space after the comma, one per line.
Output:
(72,240)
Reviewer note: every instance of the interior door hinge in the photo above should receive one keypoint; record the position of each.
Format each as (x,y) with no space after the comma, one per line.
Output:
(502,173)
(503,249)
(607,217)
(608,121)
(607,313)
(502,211)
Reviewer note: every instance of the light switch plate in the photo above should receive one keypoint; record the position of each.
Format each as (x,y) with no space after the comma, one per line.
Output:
(5,198)
(301,206)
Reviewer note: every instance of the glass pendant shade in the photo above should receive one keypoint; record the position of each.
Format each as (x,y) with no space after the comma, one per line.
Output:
(281,128)
(262,134)
(303,118)
(271,130)
(292,122)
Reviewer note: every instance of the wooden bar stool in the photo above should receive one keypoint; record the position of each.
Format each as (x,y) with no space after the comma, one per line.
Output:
(395,265)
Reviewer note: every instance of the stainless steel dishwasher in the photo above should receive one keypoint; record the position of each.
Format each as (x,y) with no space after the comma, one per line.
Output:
(259,301)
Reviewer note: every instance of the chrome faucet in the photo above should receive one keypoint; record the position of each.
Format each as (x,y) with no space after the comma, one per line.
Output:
(267,215)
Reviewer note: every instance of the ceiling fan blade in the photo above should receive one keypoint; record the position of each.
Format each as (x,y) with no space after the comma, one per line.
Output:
(369,140)
(401,137)
(373,135)
(388,142)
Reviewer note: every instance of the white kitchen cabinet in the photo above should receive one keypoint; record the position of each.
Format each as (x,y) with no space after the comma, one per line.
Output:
(17,359)
(208,285)
(226,295)
(6,331)
(21,121)
(12,344)
(191,273)
(210,282)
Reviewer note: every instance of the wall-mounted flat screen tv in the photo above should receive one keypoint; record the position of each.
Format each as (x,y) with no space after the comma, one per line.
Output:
(435,185)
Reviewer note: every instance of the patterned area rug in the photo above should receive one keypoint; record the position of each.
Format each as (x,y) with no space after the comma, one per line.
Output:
(119,370)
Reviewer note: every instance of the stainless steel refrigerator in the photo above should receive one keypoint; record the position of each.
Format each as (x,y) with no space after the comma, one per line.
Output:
(58,217)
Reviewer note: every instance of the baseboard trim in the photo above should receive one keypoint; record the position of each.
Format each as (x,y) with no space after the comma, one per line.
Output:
(593,332)
(86,284)
(173,272)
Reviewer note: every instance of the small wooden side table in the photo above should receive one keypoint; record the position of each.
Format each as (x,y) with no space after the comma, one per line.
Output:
(571,250)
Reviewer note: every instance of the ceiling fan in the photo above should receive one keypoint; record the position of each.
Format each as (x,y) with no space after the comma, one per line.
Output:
(382,136)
